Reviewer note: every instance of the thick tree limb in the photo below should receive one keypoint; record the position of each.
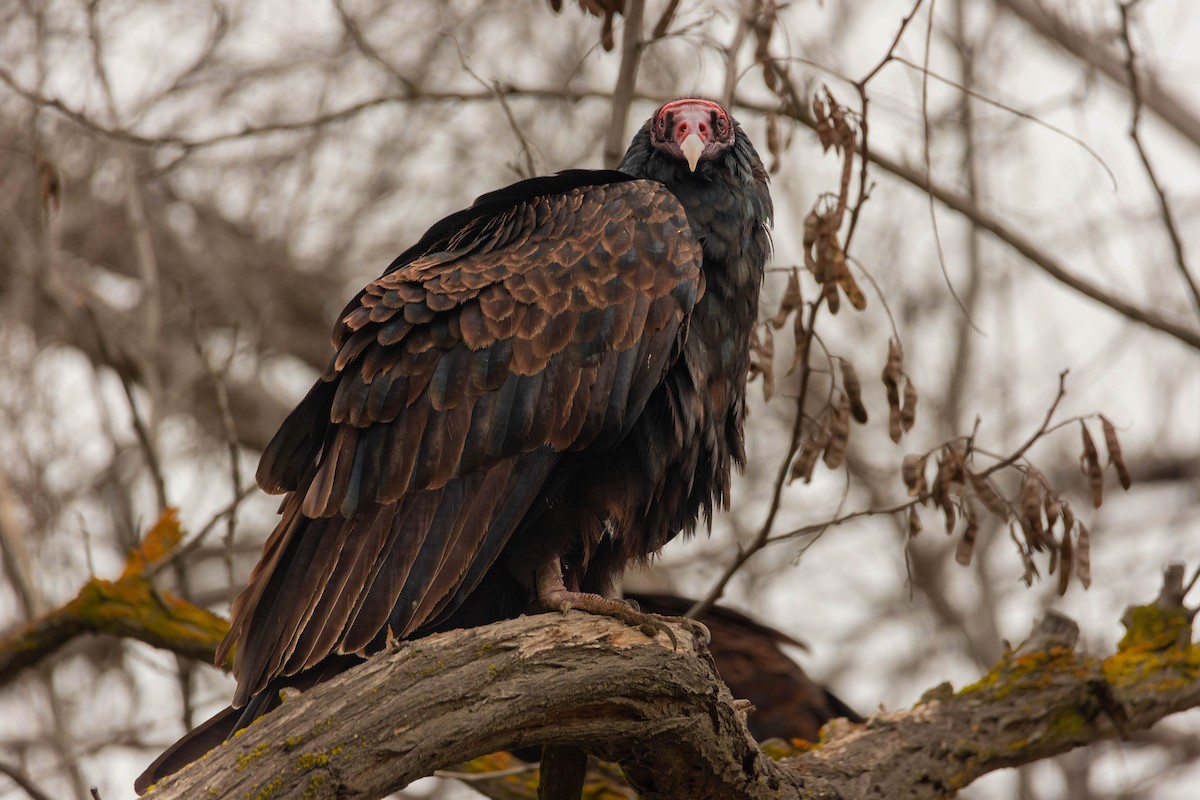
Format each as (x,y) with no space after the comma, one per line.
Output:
(128,608)
(672,725)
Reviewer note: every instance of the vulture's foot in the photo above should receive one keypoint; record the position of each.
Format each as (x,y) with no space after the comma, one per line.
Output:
(553,595)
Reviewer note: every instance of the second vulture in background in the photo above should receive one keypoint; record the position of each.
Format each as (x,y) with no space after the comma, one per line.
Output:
(750,659)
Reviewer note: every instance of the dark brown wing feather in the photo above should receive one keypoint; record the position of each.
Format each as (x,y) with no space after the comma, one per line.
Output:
(461,376)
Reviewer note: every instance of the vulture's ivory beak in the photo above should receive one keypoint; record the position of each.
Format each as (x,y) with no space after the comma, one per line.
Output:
(692,147)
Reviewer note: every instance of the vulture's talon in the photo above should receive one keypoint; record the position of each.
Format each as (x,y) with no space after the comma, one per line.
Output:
(653,625)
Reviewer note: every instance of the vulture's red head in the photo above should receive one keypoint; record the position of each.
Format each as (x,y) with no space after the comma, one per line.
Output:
(692,130)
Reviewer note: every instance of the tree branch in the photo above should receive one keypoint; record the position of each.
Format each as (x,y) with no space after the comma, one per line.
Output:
(128,608)
(665,717)
(1093,49)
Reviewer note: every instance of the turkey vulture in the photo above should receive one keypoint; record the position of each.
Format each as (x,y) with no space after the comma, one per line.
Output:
(787,703)
(549,385)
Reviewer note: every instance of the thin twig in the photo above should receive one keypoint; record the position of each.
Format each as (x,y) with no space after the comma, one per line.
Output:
(838,519)
(182,551)
(926,151)
(1016,112)
(135,413)
(22,780)
(232,444)
(864,126)
(528,169)
(1042,430)
(1167,215)
(367,49)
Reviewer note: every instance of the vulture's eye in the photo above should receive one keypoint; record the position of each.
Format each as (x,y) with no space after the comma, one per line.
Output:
(720,124)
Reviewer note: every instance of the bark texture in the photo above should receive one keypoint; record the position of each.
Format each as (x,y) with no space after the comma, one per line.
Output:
(666,718)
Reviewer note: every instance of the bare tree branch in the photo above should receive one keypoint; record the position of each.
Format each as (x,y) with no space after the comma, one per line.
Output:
(1136,93)
(670,723)
(1090,48)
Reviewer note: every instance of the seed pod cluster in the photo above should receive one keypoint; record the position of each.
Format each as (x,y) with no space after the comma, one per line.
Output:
(1089,459)
(901,417)
(823,253)
(1038,519)
(825,259)
(1042,512)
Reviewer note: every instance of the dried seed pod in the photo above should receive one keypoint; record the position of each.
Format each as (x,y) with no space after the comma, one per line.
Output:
(987,495)
(1066,557)
(823,128)
(1089,462)
(892,375)
(1031,507)
(766,361)
(951,517)
(1068,517)
(895,431)
(912,470)
(792,300)
(1053,509)
(914,523)
(839,429)
(853,387)
(1031,570)
(841,273)
(966,545)
(940,488)
(908,414)
(832,298)
(1114,452)
(800,353)
(802,467)
(893,371)
(956,457)
(773,143)
(812,225)
(1083,559)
